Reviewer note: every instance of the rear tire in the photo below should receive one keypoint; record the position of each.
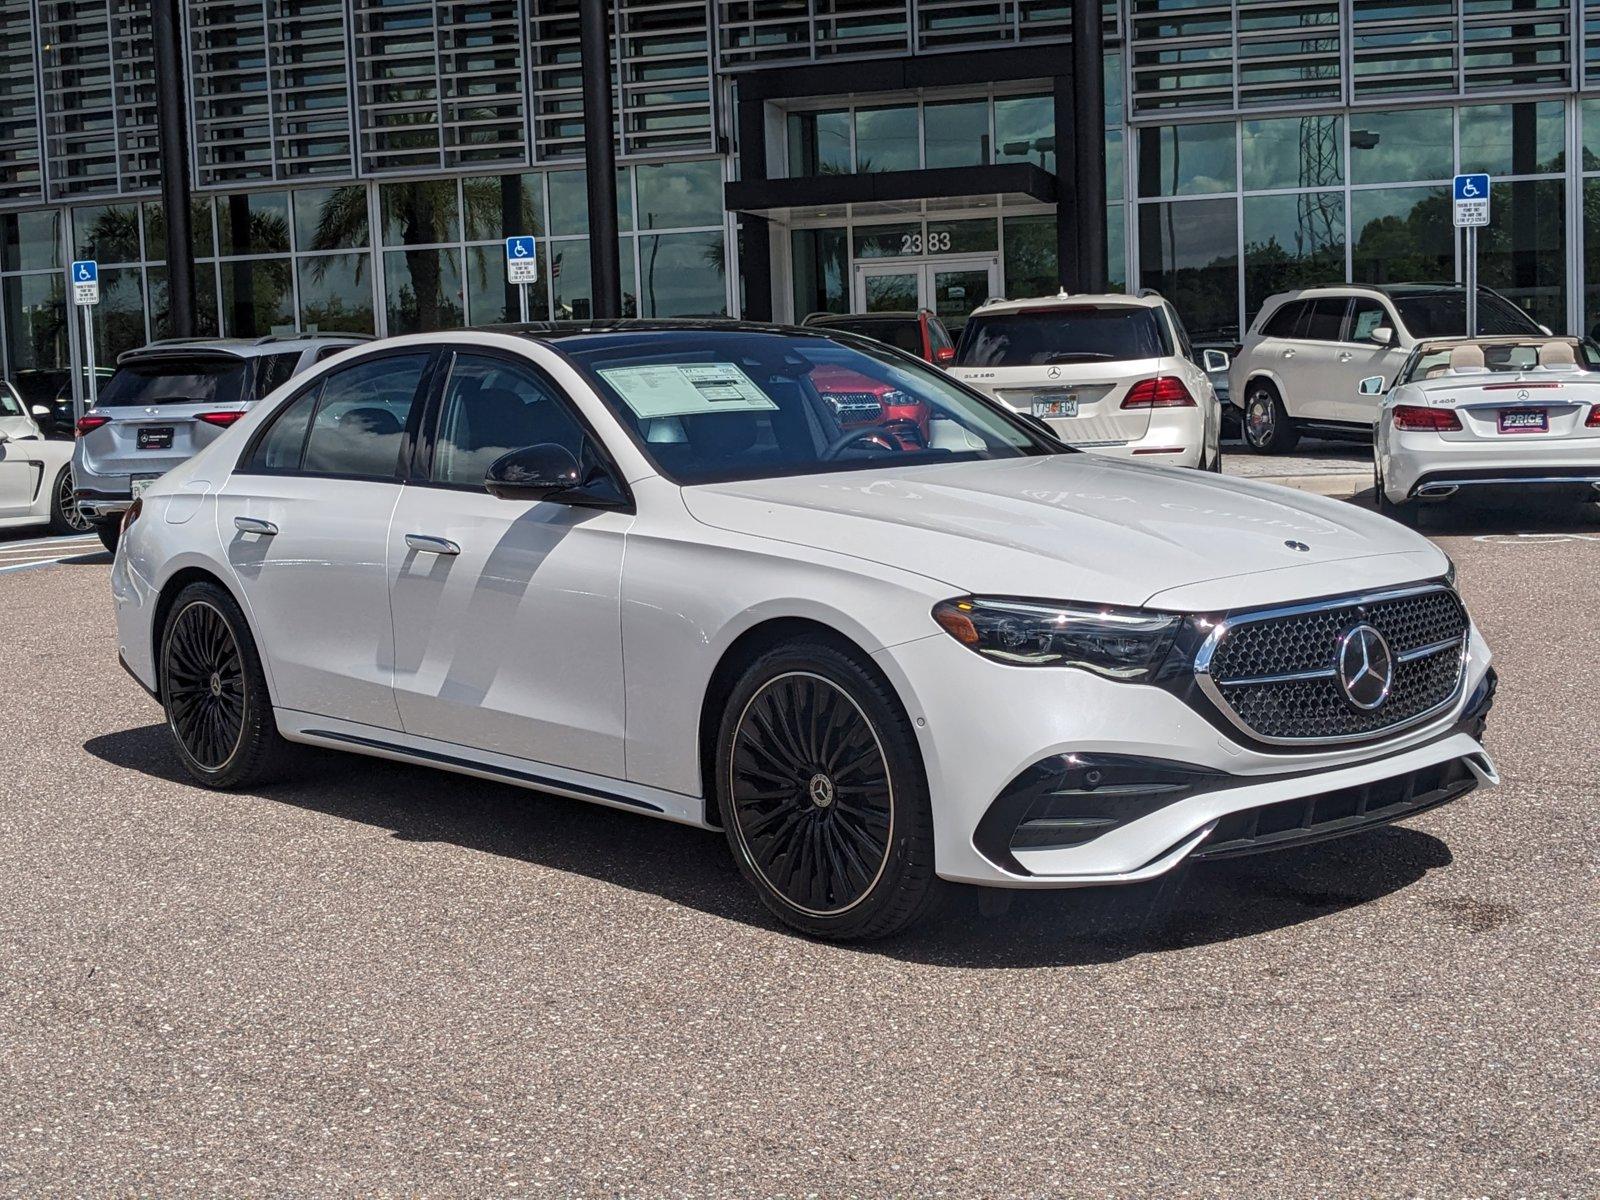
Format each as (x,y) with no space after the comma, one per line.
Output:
(65,515)
(823,795)
(110,533)
(214,692)
(1404,512)
(1268,427)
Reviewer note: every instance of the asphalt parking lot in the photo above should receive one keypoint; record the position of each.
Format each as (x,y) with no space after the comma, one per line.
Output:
(376,980)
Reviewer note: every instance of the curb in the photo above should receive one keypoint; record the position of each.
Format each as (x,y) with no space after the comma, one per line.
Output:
(1342,486)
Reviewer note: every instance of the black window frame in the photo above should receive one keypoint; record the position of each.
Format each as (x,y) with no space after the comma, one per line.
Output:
(420,466)
(408,439)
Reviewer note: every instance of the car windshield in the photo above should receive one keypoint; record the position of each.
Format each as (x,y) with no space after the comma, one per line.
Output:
(175,381)
(1070,333)
(1431,361)
(1444,314)
(903,335)
(714,406)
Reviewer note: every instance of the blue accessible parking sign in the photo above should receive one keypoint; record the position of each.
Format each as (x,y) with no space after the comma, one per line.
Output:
(522,260)
(1470,200)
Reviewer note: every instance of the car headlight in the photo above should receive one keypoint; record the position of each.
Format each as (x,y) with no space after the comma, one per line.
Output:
(1119,643)
(1450,572)
(896,398)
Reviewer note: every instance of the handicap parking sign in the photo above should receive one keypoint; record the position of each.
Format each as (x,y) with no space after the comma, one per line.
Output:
(1470,195)
(85,278)
(522,260)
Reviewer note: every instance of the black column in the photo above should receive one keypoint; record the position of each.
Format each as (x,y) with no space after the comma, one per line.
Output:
(1089,142)
(755,238)
(1066,186)
(601,158)
(172,140)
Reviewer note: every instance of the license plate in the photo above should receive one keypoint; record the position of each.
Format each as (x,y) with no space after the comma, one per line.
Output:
(1056,406)
(155,437)
(141,483)
(1524,420)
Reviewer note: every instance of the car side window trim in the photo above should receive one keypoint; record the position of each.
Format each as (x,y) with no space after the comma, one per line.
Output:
(408,437)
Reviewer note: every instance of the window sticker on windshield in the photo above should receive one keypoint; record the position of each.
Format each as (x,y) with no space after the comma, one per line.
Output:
(686,389)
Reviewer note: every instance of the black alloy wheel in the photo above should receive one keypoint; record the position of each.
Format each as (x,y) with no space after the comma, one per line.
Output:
(65,515)
(214,691)
(822,794)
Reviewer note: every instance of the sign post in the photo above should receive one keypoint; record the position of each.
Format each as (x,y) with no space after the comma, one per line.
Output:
(85,278)
(522,268)
(1470,210)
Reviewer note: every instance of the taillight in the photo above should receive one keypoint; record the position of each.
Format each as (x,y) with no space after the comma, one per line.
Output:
(1164,391)
(131,513)
(89,422)
(1594,418)
(222,419)
(1414,416)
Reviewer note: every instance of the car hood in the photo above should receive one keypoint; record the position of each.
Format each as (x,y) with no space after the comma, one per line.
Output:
(1081,527)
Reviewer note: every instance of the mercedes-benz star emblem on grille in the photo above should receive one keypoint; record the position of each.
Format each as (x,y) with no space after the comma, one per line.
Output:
(1366,667)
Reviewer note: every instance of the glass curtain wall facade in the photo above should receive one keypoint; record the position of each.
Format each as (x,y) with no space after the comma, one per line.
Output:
(357,162)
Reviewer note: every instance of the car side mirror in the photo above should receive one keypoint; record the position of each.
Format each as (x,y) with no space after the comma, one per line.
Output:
(1382,335)
(550,472)
(40,410)
(1372,385)
(944,355)
(1215,362)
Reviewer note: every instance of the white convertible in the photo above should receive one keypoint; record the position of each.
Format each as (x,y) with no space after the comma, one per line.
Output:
(35,475)
(1515,412)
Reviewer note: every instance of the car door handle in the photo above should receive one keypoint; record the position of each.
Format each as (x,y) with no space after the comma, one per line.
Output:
(1345,356)
(423,544)
(1288,353)
(254,525)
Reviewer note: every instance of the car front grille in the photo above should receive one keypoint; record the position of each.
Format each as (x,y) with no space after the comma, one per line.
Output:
(1275,674)
(851,407)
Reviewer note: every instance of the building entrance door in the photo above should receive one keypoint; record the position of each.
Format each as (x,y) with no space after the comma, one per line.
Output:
(951,287)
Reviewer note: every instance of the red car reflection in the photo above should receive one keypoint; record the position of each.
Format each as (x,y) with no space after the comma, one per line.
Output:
(858,402)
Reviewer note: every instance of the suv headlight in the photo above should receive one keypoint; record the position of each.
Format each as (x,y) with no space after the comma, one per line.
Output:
(1119,643)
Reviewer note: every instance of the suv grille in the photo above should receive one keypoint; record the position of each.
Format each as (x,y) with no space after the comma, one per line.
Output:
(1275,675)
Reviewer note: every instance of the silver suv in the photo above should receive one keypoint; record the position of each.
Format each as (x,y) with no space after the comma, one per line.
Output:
(168,400)
(1302,363)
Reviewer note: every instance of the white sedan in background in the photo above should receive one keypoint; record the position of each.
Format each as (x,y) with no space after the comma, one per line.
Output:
(650,565)
(1515,413)
(35,474)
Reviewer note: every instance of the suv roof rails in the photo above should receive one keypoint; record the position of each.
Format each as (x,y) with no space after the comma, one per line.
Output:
(1148,293)
(316,335)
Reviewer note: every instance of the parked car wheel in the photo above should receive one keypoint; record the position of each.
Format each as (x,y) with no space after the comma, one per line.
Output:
(1268,428)
(823,796)
(1404,512)
(65,515)
(110,533)
(215,693)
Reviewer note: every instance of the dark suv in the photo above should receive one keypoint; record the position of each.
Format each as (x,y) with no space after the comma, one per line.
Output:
(920,333)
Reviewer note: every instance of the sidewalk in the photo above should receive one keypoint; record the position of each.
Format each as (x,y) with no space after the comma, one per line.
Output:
(1338,469)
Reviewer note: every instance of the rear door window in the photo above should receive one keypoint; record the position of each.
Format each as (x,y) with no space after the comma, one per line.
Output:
(1324,319)
(273,371)
(351,423)
(210,380)
(1062,335)
(903,335)
(1281,324)
(1365,316)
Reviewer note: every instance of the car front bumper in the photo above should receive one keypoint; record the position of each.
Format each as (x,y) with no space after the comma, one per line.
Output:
(984,727)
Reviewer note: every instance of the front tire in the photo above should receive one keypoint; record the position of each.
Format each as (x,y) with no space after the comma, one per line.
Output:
(65,515)
(823,796)
(215,693)
(1268,427)
(110,533)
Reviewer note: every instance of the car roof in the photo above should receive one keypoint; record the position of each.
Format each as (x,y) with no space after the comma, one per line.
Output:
(1391,290)
(1000,304)
(242,347)
(864,318)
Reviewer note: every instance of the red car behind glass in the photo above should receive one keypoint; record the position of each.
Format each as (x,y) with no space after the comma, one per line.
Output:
(858,401)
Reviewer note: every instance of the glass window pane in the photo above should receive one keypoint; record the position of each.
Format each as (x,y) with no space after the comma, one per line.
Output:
(423,290)
(957,133)
(257,297)
(36,329)
(571,297)
(1116,247)
(503,206)
(1116,164)
(107,233)
(492,407)
(681,275)
(1025,130)
(1031,265)
(888,241)
(1401,235)
(419,214)
(331,219)
(1189,252)
(680,195)
(205,301)
(1520,255)
(821,262)
(819,143)
(491,300)
(1293,152)
(336,293)
(31,241)
(1291,241)
(155,229)
(256,223)
(279,449)
(1513,139)
(963,237)
(886,139)
(1400,146)
(1185,160)
(569,201)
(1590,110)
(361,417)
(119,317)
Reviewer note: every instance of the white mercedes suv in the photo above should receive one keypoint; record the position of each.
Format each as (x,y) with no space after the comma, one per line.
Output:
(1113,375)
(651,566)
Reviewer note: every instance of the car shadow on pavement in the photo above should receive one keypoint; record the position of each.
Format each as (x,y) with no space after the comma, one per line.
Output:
(970,928)
(1477,516)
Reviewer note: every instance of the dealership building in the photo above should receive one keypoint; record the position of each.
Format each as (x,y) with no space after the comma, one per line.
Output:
(356,164)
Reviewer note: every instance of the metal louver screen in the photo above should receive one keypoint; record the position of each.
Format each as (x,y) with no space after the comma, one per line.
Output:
(20,157)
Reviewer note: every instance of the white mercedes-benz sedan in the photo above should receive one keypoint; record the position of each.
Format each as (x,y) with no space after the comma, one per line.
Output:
(1511,413)
(665,567)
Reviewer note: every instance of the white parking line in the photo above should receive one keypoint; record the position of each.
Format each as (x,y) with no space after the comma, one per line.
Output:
(80,539)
